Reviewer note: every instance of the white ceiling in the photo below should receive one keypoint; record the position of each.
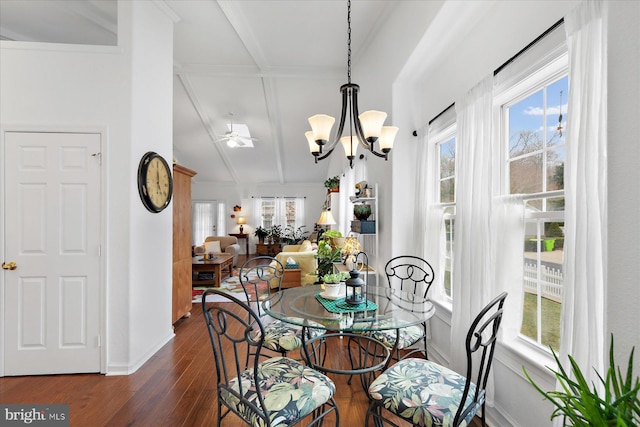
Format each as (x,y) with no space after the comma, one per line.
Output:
(272,63)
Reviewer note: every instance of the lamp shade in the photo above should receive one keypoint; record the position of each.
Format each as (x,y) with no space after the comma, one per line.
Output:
(326,218)
(321,126)
(350,145)
(241,220)
(387,137)
(372,122)
(313,147)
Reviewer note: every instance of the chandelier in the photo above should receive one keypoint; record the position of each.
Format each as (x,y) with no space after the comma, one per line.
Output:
(364,129)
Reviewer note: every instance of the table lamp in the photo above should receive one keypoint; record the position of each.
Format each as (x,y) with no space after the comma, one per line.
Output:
(241,220)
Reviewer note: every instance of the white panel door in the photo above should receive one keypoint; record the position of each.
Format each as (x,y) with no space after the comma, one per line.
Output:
(52,233)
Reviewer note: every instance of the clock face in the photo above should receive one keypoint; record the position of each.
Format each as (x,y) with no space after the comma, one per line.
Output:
(155,183)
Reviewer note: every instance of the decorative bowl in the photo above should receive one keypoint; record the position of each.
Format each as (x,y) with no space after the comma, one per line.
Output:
(362,212)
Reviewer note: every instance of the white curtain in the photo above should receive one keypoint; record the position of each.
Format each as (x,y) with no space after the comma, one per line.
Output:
(203,220)
(582,328)
(300,214)
(221,220)
(280,216)
(344,209)
(424,176)
(508,253)
(473,277)
(257,211)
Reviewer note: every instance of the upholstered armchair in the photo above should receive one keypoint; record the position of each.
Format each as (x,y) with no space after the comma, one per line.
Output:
(304,256)
(228,245)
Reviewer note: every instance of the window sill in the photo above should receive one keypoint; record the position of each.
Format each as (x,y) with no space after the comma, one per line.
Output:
(444,304)
(518,354)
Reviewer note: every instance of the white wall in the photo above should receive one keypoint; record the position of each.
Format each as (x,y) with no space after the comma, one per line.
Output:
(61,87)
(623,290)
(151,235)
(482,35)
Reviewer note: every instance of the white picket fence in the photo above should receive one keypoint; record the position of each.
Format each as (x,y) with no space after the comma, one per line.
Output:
(551,280)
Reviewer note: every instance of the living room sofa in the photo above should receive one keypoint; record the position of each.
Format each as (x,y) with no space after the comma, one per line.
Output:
(228,245)
(303,255)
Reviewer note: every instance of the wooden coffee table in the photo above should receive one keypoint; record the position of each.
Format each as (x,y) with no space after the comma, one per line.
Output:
(215,265)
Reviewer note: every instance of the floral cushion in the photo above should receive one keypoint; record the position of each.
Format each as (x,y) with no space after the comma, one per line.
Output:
(290,391)
(408,336)
(283,337)
(423,392)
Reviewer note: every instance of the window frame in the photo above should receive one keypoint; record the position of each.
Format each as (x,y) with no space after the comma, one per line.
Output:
(437,137)
(549,70)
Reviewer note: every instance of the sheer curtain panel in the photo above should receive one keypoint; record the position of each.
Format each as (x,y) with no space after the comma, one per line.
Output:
(585,190)
(473,278)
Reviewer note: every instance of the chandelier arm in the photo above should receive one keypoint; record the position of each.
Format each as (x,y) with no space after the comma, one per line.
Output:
(326,154)
(357,125)
(360,133)
(345,99)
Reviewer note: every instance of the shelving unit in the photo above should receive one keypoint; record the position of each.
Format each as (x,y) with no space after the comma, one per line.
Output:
(368,233)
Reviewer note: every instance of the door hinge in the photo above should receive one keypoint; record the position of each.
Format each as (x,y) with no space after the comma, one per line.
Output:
(98,155)
(99,340)
(99,250)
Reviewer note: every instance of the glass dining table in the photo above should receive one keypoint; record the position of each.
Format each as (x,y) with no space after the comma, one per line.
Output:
(384,309)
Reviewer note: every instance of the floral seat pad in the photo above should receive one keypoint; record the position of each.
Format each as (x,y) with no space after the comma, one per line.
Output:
(283,337)
(423,392)
(407,337)
(290,391)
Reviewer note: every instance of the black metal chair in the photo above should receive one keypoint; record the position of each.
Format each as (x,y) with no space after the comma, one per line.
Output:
(258,275)
(414,275)
(278,391)
(425,393)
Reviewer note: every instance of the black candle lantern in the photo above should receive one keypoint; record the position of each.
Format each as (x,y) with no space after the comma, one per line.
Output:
(354,288)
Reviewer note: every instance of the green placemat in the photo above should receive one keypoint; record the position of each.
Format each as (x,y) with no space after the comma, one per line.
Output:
(340,306)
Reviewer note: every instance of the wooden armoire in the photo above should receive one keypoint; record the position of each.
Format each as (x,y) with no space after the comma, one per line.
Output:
(181,242)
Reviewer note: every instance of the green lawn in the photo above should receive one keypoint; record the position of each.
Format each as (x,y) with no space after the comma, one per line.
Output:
(550,320)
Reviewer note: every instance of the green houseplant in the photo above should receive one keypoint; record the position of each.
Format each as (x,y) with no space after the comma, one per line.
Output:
(293,236)
(261,233)
(582,405)
(327,253)
(332,184)
(335,277)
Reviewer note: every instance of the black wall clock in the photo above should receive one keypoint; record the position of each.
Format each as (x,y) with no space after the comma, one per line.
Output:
(155,183)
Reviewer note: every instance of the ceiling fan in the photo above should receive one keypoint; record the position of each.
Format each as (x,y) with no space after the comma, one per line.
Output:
(234,138)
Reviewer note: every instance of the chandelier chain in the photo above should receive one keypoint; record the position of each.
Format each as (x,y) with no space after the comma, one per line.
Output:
(349,41)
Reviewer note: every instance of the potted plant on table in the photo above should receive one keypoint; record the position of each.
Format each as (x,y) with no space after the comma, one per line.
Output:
(261,233)
(275,234)
(327,253)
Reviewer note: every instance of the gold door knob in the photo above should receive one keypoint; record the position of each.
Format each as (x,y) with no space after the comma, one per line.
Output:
(9,265)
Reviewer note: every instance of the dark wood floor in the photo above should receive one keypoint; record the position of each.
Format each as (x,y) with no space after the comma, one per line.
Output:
(176,387)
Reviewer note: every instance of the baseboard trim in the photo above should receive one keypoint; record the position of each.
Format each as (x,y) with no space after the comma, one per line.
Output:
(130,369)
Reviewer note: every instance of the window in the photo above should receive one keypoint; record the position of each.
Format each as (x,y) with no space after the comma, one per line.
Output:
(445,143)
(447,161)
(535,146)
(267,212)
(282,211)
